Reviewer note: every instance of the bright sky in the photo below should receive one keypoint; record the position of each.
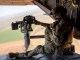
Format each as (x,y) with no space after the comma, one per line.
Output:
(6,10)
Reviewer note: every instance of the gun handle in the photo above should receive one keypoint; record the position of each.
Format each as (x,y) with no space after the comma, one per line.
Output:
(27,40)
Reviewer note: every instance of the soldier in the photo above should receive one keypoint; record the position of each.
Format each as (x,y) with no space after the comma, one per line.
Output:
(58,35)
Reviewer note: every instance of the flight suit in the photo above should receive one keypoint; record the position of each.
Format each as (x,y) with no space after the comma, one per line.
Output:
(57,34)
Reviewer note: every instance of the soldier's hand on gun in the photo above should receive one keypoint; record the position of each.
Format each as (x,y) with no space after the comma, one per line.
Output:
(36,22)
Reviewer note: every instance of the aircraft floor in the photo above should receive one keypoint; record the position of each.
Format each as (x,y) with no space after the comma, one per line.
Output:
(45,57)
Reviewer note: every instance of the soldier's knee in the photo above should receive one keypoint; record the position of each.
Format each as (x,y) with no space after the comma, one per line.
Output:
(39,49)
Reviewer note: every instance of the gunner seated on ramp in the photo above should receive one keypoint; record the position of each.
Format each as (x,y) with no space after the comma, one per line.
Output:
(58,35)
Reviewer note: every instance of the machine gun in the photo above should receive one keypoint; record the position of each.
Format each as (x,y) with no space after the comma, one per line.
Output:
(25,25)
